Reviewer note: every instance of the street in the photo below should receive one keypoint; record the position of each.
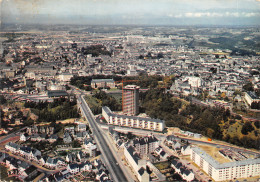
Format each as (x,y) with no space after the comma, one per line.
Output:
(110,160)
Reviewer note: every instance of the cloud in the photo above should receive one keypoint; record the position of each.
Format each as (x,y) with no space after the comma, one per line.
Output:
(216,14)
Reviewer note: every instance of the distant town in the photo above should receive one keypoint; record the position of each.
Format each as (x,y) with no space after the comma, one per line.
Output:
(129,103)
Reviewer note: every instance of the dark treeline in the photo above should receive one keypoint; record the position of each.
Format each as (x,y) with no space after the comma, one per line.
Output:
(2,100)
(142,80)
(84,82)
(108,101)
(95,50)
(58,110)
(203,120)
(255,105)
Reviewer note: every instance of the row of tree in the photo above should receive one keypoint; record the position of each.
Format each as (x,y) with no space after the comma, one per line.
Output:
(255,105)
(95,50)
(206,121)
(143,80)
(103,99)
(108,101)
(60,109)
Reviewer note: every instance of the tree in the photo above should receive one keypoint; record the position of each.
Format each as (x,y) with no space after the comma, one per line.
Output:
(223,95)
(76,144)
(130,135)
(160,55)
(227,138)
(141,57)
(254,105)
(247,128)
(20,114)
(210,132)
(2,99)
(248,87)
(257,124)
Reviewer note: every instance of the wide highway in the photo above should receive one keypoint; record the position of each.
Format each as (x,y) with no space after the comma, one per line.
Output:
(116,171)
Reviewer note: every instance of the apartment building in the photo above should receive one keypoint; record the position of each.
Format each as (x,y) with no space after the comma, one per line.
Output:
(251,97)
(132,121)
(138,164)
(146,145)
(225,171)
(130,100)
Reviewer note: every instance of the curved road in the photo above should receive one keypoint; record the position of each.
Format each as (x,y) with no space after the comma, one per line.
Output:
(116,171)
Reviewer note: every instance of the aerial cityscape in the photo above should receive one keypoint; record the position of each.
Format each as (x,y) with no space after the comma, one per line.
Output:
(130,91)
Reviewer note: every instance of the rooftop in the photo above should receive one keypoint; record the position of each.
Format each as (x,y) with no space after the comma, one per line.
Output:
(217,165)
(102,80)
(253,95)
(131,87)
(214,153)
(109,113)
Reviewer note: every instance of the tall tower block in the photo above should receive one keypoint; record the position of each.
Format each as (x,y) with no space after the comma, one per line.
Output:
(130,100)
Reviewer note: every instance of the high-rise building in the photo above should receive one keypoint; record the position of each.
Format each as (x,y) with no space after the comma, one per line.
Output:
(130,100)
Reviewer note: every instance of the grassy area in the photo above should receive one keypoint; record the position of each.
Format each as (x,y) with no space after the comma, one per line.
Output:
(214,153)
(162,165)
(93,102)
(117,96)
(235,130)
(3,172)
(115,89)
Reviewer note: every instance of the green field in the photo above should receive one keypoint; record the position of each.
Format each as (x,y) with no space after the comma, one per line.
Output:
(117,96)
(162,165)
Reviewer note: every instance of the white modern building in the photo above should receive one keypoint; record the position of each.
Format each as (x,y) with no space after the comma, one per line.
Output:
(65,77)
(251,97)
(146,145)
(225,171)
(194,81)
(136,163)
(132,121)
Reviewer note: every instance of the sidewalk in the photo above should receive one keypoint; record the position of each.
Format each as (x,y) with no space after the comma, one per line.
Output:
(130,176)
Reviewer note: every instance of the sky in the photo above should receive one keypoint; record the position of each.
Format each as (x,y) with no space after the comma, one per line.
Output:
(146,12)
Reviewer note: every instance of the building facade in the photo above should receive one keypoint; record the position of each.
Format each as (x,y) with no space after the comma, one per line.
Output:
(136,163)
(146,145)
(130,99)
(251,97)
(225,171)
(132,121)
(98,83)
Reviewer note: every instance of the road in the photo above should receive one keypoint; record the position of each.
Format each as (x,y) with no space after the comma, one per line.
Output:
(120,155)
(116,171)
